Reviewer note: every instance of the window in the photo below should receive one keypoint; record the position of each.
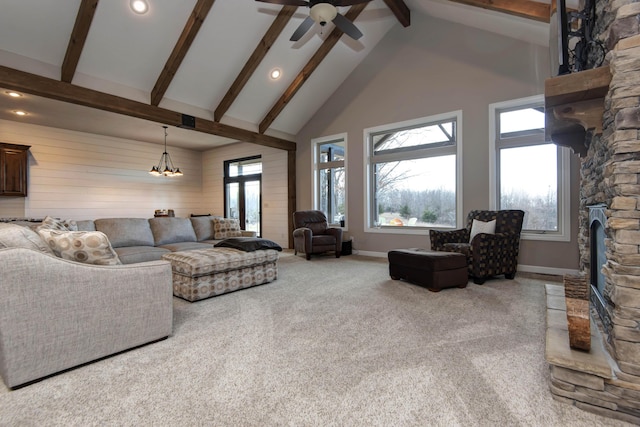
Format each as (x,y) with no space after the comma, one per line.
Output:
(413,174)
(243,192)
(330,185)
(529,172)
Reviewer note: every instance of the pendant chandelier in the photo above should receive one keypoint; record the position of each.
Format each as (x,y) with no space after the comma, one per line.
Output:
(165,165)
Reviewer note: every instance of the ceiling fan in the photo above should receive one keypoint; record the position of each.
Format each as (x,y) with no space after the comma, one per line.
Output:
(322,11)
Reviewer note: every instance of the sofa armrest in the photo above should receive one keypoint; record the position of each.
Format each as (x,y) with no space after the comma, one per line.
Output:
(246,233)
(56,314)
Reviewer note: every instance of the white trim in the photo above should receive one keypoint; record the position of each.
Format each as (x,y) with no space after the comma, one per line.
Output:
(315,169)
(564,193)
(371,254)
(457,114)
(546,270)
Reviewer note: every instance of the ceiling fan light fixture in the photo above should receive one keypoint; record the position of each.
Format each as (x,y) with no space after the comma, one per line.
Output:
(323,13)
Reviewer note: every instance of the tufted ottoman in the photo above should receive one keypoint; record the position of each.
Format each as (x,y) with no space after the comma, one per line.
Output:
(431,269)
(203,273)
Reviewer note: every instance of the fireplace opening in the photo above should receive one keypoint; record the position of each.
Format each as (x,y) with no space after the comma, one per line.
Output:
(597,220)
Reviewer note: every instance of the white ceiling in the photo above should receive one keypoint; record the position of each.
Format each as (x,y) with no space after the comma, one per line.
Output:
(125,53)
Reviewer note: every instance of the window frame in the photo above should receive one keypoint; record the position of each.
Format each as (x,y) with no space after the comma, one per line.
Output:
(435,150)
(318,166)
(563,170)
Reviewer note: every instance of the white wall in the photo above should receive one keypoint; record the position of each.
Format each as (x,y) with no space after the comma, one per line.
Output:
(275,214)
(78,175)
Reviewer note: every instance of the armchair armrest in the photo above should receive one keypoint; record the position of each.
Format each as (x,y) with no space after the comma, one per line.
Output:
(303,234)
(337,233)
(439,238)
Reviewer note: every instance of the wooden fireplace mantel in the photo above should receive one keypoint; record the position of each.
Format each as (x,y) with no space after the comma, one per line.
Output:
(574,104)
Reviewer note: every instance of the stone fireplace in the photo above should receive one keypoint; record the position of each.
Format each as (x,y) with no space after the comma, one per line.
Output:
(606,380)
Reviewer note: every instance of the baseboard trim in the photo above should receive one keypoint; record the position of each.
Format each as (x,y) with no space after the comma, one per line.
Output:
(546,270)
(554,271)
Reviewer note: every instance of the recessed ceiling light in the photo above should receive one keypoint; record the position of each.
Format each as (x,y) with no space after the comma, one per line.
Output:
(13,94)
(139,6)
(20,113)
(275,73)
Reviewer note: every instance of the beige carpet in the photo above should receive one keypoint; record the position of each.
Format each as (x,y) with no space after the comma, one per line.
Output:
(331,342)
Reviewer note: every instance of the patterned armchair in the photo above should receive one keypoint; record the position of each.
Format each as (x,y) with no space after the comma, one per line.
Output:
(312,234)
(487,254)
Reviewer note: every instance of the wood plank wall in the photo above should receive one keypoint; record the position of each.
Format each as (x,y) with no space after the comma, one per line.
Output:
(274,186)
(79,175)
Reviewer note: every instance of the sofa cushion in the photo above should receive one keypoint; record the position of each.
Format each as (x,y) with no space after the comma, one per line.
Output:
(203,226)
(51,223)
(87,247)
(225,228)
(126,231)
(186,246)
(16,236)
(135,254)
(86,225)
(171,230)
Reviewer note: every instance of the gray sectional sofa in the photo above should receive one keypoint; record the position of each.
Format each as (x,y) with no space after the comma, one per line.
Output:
(56,314)
(139,239)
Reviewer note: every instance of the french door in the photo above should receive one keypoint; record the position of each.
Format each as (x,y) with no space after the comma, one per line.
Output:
(243,192)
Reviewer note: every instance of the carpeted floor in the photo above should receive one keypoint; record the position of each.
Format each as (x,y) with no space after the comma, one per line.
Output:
(331,342)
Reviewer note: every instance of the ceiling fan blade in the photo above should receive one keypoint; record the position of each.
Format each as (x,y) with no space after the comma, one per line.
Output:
(302,29)
(287,2)
(348,2)
(347,26)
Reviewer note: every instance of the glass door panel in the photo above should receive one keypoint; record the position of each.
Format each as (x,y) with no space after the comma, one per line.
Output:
(252,206)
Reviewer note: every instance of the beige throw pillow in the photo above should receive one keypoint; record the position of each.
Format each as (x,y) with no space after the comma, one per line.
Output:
(478,227)
(87,247)
(224,228)
(51,223)
(16,236)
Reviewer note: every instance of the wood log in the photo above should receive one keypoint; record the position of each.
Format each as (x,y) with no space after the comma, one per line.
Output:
(576,290)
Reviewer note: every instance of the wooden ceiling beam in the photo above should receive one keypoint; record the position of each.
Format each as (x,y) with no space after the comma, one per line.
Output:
(308,69)
(78,37)
(254,60)
(62,91)
(198,15)
(523,8)
(400,10)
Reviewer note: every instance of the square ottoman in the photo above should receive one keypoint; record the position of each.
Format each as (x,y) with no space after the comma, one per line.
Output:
(432,269)
(203,273)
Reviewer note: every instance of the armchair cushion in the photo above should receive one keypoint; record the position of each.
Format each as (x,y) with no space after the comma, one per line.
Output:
(478,227)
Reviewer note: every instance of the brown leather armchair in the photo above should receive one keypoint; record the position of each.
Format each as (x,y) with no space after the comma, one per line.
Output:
(312,234)
(487,254)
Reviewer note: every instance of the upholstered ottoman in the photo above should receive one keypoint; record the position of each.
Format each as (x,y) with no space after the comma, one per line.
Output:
(203,273)
(431,269)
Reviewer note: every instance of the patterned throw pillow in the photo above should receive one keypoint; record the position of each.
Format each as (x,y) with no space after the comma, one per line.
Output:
(87,247)
(224,228)
(50,223)
(478,227)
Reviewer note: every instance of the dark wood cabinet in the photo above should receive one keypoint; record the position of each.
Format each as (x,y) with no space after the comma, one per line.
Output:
(13,170)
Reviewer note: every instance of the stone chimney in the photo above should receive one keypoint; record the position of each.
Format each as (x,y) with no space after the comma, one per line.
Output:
(610,181)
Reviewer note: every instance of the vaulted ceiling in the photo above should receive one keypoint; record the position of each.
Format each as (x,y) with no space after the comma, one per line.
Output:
(96,66)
